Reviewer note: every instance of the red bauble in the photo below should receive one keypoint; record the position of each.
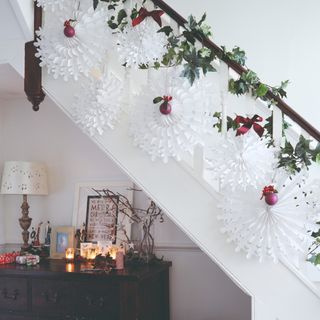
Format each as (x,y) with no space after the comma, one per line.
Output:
(69,31)
(271,198)
(165,108)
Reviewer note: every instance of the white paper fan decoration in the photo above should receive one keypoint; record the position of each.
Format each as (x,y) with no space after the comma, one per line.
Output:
(53,5)
(99,105)
(71,56)
(170,135)
(241,161)
(141,44)
(265,231)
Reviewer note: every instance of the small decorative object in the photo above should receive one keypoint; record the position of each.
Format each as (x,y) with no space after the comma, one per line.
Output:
(181,121)
(24,178)
(270,195)
(99,105)
(36,242)
(141,43)
(104,247)
(165,106)
(47,233)
(28,259)
(62,238)
(9,257)
(119,260)
(69,254)
(113,252)
(241,161)
(76,47)
(275,230)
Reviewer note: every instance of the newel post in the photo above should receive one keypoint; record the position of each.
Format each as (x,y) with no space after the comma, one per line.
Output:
(32,69)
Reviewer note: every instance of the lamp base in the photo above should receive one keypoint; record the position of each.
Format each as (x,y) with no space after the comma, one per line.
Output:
(25,223)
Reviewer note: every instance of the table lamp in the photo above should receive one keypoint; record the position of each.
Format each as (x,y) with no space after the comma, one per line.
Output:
(26,178)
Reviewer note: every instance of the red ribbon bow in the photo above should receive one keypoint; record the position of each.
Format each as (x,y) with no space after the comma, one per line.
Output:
(248,123)
(143,13)
(167,98)
(268,189)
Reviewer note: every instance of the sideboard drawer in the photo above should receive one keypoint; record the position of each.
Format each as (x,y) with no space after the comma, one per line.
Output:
(13,294)
(98,299)
(52,296)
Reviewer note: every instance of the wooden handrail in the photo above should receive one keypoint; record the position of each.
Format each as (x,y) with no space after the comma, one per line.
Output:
(283,106)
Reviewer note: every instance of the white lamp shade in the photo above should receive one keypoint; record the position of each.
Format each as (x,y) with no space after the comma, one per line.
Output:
(21,177)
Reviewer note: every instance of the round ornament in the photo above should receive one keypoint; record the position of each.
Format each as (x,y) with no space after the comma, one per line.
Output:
(280,228)
(141,44)
(168,129)
(241,161)
(99,105)
(75,44)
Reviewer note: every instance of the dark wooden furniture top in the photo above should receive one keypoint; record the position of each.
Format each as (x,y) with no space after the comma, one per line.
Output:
(55,290)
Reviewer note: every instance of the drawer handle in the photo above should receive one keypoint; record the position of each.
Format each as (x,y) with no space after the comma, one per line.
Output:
(13,297)
(91,302)
(53,299)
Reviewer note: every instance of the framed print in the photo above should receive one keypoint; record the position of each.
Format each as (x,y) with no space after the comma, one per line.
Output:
(101,219)
(99,215)
(62,238)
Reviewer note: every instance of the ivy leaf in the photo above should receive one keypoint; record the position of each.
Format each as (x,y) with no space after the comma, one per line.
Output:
(121,15)
(95,4)
(203,18)
(166,30)
(262,90)
(157,100)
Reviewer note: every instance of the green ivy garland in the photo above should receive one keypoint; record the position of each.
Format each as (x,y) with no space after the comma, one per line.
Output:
(183,51)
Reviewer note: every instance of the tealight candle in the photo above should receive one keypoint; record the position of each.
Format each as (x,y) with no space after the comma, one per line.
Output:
(70,254)
(69,267)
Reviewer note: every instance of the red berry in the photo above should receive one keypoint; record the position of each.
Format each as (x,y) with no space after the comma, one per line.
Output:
(271,198)
(165,108)
(69,31)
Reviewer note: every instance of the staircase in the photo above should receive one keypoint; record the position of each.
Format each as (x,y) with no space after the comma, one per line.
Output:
(279,291)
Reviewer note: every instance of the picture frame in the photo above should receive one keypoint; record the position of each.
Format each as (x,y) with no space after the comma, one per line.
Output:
(101,219)
(83,190)
(61,239)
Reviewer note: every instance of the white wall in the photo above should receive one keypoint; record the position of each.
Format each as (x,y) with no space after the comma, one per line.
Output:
(280,38)
(2,220)
(199,289)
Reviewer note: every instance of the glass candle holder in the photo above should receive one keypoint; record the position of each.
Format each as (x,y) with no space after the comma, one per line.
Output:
(69,254)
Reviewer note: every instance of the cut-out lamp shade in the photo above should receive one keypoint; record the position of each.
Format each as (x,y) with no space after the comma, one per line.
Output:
(25,178)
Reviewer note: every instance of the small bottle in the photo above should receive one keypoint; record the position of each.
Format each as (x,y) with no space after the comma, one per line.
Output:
(119,260)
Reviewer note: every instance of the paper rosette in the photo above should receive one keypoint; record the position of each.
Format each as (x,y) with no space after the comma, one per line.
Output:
(53,5)
(99,105)
(141,44)
(270,231)
(71,56)
(170,136)
(241,161)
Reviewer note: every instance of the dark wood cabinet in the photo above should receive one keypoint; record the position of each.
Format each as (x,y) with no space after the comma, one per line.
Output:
(50,292)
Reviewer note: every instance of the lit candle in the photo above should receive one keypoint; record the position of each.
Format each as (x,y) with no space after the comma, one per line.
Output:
(69,267)
(113,252)
(70,254)
(92,253)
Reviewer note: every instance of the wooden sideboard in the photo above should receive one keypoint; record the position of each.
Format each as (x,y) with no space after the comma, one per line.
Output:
(55,290)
